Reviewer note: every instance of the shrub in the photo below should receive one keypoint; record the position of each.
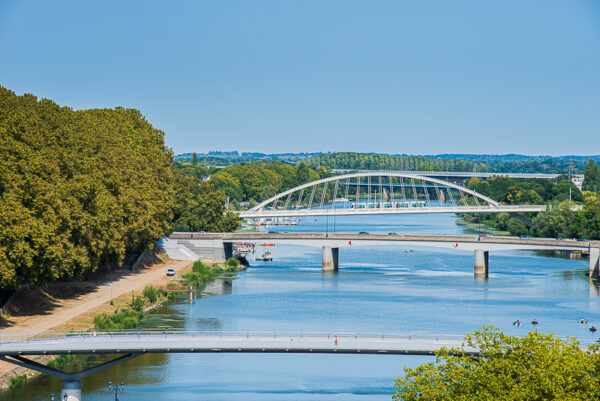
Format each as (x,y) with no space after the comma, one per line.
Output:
(17,382)
(150,293)
(137,304)
(103,322)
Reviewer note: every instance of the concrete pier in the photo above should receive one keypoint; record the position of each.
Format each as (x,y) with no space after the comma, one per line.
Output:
(227,250)
(594,262)
(72,389)
(330,258)
(481,263)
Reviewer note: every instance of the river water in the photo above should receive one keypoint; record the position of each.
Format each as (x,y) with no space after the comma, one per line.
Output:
(387,289)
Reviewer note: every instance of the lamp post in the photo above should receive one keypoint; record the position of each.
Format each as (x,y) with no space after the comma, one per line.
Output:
(116,389)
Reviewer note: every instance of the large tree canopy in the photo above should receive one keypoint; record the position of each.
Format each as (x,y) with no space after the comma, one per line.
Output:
(78,189)
(534,367)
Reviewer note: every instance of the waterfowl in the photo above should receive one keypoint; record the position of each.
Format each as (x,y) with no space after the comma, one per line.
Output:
(517,323)
(593,329)
(534,321)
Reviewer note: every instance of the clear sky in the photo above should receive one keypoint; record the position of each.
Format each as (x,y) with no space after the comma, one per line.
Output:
(419,77)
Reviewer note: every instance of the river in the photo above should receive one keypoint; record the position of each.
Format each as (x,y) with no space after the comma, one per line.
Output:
(387,289)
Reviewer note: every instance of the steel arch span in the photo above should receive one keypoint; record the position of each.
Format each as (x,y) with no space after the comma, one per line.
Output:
(379,193)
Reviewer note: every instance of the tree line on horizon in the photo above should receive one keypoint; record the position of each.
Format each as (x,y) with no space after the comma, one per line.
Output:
(80,190)
(372,161)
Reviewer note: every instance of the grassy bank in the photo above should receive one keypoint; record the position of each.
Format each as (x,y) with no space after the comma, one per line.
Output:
(202,273)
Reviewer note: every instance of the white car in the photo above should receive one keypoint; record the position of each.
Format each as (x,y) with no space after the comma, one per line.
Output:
(170,272)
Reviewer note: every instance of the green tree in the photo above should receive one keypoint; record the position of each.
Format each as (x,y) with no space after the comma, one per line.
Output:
(528,197)
(517,227)
(199,207)
(556,222)
(534,367)
(194,159)
(302,174)
(81,188)
(587,220)
(591,181)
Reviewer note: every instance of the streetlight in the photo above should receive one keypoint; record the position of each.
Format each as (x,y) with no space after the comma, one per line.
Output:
(116,389)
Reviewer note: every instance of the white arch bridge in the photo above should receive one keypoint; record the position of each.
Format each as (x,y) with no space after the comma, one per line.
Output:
(379,193)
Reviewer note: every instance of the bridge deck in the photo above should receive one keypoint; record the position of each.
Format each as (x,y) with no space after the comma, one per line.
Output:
(474,241)
(195,342)
(409,210)
(237,343)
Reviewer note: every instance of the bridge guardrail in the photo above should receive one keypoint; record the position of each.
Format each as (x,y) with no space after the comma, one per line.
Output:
(28,337)
(25,338)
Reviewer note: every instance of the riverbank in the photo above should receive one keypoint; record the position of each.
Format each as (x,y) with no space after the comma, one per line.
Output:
(128,309)
(73,306)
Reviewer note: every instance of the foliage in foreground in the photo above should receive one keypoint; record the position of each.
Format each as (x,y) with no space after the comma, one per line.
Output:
(534,367)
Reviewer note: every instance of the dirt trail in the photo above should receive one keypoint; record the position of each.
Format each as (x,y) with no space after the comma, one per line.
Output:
(121,283)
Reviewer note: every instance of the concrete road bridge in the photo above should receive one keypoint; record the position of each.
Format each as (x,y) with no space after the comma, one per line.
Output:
(379,193)
(15,348)
(200,245)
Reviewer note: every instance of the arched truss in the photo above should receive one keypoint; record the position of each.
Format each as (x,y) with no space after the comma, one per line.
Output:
(374,192)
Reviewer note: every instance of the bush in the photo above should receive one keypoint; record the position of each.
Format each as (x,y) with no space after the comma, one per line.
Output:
(200,267)
(150,293)
(137,304)
(103,322)
(17,382)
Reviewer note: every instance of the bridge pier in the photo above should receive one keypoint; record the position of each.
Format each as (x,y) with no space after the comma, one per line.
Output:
(228,250)
(330,258)
(72,389)
(594,262)
(481,263)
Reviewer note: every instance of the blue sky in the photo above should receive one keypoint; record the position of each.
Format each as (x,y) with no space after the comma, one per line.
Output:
(418,77)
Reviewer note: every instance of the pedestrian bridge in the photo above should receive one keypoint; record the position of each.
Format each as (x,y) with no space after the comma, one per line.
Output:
(18,345)
(370,193)
(15,347)
(332,242)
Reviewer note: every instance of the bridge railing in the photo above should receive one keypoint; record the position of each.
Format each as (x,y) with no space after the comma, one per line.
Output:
(56,335)
(82,336)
